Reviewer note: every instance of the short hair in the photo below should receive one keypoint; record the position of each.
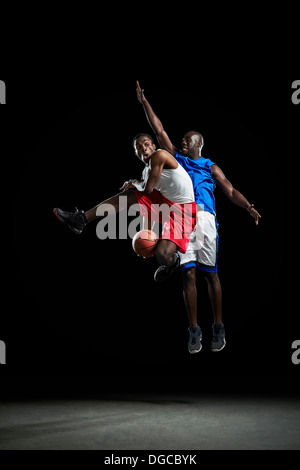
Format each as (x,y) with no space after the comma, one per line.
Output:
(141,134)
(200,137)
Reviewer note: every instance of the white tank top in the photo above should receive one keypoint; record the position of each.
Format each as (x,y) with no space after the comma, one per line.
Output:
(175,185)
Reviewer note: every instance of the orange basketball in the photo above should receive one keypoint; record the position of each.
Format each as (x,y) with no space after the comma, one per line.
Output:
(144,243)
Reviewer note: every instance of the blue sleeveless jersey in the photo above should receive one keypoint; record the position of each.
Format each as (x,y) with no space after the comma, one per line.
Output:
(203,182)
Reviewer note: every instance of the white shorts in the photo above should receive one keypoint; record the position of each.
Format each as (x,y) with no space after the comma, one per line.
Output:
(202,251)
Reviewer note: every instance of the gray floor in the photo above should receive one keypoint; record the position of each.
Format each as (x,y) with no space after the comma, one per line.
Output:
(151,423)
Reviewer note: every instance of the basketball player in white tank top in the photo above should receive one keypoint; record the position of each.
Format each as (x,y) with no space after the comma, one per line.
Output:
(163,174)
(174,183)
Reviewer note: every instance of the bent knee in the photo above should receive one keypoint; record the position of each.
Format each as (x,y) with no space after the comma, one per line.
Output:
(165,251)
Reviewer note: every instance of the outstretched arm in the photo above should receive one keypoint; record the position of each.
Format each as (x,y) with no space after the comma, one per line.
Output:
(233,194)
(155,123)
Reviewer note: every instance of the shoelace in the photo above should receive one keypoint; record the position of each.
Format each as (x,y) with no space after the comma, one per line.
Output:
(78,212)
(217,333)
(194,337)
(80,216)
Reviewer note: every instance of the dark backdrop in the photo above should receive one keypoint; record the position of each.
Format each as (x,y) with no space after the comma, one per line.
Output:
(84,315)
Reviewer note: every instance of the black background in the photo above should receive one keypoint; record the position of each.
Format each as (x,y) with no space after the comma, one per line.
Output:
(80,315)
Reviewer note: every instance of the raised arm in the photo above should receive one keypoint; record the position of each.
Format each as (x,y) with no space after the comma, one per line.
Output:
(233,194)
(155,123)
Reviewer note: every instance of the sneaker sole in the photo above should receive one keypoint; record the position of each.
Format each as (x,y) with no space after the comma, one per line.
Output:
(75,230)
(169,274)
(195,351)
(217,350)
(162,279)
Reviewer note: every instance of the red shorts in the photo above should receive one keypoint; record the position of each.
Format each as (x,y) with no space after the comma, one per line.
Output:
(178,220)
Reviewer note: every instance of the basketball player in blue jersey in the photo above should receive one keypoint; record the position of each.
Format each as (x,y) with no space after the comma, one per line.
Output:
(202,252)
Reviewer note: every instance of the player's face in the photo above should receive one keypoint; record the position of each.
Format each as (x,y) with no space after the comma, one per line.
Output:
(144,148)
(190,144)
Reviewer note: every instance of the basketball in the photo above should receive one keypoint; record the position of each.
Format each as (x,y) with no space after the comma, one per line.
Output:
(144,243)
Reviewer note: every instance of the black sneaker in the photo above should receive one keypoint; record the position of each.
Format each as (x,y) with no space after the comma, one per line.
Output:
(218,340)
(76,221)
(164,272)
(195,338)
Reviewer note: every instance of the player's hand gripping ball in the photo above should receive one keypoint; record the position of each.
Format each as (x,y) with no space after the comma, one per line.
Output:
(144,243)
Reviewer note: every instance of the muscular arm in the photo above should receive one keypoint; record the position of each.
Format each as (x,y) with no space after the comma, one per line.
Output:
(158,160)
(233,194)
(155,123)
